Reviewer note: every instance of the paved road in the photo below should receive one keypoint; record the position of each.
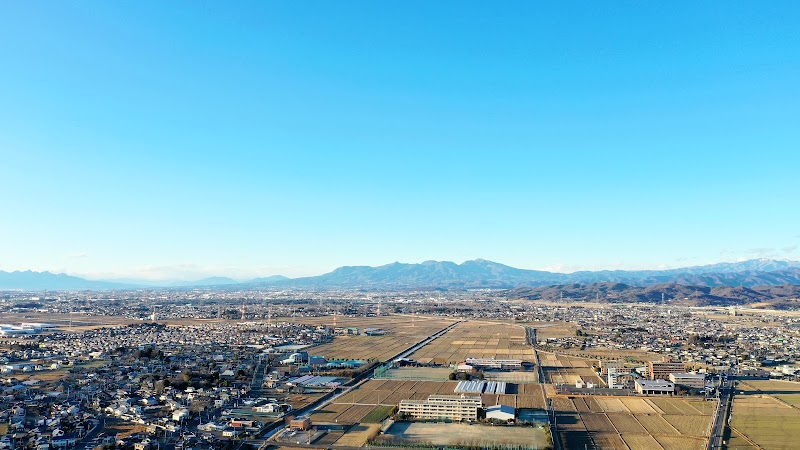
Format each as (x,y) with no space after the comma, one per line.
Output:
(716,440)
(91,434)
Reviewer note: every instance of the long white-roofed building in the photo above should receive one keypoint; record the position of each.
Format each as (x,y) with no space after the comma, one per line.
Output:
(443,407)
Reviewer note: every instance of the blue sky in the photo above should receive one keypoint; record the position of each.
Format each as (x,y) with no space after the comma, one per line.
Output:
(184,139)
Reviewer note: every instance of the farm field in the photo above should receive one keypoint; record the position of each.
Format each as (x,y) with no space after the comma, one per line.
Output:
(374,400)
(457,434)
(476,339)
(402,332)
(766,414)
(563,369)
(357,435)
(418,373)
(633,422)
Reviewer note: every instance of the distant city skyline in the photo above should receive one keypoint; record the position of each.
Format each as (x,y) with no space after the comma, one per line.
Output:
(180,140)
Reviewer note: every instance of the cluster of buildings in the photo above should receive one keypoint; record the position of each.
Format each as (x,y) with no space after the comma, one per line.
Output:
(655,378)
(703,338)
(170,380)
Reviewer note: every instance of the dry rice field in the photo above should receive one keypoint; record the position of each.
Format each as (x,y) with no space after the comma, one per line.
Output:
(372,398)
(357,435)
(563,369)
(766,414)
(633,422)
(402,333)
(476,339)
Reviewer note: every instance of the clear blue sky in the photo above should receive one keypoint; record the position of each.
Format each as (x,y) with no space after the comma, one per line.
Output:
(182,139)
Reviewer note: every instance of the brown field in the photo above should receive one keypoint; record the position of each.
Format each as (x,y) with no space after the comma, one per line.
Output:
(330,412)
(329,438)
(402,333)
(641,441)
(300,400)
(358,435)
(626,423)
(565,369)
(597,422)
(608,441)
(681,442)
(476,339)
(687,425)
(545,330)
(656,425)
(533,401)
(356,404)
(633,422)
(766,414)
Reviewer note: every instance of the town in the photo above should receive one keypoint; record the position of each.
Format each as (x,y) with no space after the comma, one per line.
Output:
(221,369)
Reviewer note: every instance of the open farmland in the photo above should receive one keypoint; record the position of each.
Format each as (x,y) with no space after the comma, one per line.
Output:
(375,399)
(633,422)
(563,369)
(476,339)
(766,415)
(358,435)
(402,332)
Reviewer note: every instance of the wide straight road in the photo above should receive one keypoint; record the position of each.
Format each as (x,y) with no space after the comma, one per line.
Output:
(717,437)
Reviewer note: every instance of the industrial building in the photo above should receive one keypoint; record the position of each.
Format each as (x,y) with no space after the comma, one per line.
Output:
(443,407)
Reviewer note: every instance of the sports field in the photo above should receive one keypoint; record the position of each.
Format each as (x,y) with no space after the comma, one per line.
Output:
(457,434)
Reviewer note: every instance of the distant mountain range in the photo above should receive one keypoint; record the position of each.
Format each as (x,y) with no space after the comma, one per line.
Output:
(475,274)
(786,296)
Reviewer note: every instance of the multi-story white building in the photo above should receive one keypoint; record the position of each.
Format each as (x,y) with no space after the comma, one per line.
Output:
(691,380)
(443,407)
(618,377)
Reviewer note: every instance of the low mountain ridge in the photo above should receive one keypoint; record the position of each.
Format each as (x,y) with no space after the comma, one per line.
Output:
(779,297)
(474,274)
